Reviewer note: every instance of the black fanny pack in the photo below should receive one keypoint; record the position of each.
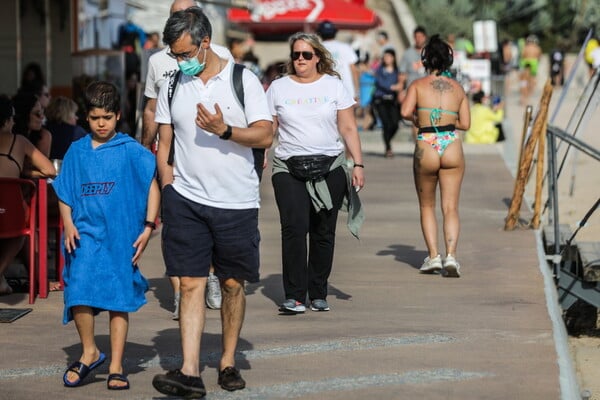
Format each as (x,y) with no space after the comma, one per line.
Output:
(309,167)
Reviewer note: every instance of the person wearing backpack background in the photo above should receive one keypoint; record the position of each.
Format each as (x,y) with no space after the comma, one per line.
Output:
(210,193)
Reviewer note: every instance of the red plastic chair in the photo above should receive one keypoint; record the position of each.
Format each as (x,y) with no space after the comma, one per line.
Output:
(56,225)
(16,220)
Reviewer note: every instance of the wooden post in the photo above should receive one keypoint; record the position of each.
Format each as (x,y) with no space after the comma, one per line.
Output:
(539,178)
(525,164)
(526,121)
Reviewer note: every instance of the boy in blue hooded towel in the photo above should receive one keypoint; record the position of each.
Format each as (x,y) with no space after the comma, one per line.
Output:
(109,199)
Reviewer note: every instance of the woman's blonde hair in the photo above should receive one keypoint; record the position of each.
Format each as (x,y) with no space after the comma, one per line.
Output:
(326,62)
(60,109)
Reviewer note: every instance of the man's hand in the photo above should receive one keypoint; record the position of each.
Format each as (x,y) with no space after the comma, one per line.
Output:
(210,122)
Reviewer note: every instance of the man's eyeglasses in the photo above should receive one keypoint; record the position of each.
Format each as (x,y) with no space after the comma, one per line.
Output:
(184,56)
(307,55)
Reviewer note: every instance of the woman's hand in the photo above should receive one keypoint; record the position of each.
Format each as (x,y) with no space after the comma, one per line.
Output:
(358,177)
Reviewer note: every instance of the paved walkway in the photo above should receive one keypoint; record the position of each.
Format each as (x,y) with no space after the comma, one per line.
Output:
(392,333)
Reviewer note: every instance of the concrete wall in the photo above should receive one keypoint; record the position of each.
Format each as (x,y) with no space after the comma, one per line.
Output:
(8,50)
(60,44)
(23,39)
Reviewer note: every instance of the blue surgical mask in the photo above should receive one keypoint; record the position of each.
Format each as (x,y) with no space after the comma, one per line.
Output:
(192,66)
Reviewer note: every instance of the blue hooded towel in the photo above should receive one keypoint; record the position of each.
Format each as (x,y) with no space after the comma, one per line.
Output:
(107,190)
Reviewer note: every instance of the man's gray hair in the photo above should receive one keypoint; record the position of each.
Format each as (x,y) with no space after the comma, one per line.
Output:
(192,21)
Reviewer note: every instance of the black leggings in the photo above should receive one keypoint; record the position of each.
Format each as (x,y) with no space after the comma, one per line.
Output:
(306,270)
(389,114)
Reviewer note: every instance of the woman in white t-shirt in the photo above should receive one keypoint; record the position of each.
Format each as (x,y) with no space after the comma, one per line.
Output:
(312,112)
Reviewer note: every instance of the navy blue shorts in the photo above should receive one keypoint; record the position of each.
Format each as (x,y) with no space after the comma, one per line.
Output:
(195,235)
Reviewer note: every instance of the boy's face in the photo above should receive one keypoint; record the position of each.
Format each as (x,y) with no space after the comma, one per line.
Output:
(102,124)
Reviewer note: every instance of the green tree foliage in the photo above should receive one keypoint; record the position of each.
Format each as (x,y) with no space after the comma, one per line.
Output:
(564,22)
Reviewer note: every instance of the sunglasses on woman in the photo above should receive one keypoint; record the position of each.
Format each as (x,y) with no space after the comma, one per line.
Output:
(307,55)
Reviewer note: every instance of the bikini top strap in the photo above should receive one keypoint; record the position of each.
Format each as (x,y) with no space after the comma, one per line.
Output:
(436,115)
(9,154)
(12,144)
(440,110)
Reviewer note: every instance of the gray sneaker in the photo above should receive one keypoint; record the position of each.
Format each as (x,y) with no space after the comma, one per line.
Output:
(451,267)
(176,303)
(213,292)
(292,306)
(319,305)
(431,265)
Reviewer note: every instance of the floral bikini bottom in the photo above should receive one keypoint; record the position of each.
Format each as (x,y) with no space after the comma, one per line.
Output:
(438,137)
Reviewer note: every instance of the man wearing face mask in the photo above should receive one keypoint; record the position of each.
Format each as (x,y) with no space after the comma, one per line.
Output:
(161,67)
(210,194)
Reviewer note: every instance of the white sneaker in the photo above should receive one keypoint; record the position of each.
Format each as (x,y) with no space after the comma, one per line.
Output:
(431,265)
(451,267)
(213,292)
(176,312)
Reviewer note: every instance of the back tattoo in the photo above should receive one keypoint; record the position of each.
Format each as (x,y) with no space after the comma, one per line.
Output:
(441,85)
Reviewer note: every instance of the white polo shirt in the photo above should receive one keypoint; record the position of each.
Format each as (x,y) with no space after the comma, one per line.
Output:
(209,170)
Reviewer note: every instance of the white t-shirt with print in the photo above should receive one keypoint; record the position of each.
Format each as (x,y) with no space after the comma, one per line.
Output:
(344,56)
(307,115)
(161,67)
(208,170)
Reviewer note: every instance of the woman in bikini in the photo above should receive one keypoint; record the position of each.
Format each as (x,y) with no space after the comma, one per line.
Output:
(438,106)
(14,150)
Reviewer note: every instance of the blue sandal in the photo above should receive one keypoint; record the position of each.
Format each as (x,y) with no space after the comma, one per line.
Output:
(117,377)
(82,370)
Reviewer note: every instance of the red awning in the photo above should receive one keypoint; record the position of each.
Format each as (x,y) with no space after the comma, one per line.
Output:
(288,16)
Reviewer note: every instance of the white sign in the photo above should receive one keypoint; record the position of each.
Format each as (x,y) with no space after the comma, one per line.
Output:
(479,72)
(485,36)
(267,10)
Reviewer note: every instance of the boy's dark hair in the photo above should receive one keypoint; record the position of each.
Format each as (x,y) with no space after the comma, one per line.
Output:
(6,109)
(437,55)
(102,95)
(383,34)
(192,21)
(420,29)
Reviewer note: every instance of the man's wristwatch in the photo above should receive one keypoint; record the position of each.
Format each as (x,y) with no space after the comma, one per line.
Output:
(227,134)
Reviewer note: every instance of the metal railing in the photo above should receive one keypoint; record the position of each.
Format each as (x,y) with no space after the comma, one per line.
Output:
(570,286)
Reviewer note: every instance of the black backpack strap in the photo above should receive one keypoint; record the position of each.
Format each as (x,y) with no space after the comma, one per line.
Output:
(173,81)
(238,84)
(238,88)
